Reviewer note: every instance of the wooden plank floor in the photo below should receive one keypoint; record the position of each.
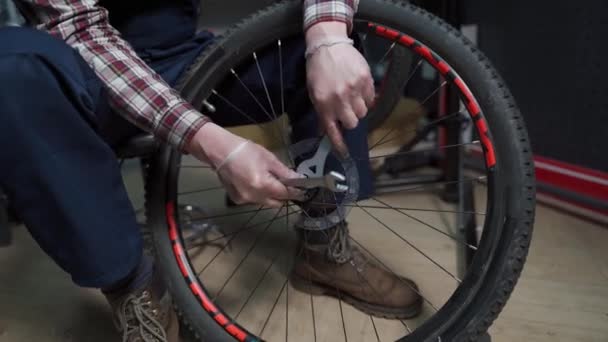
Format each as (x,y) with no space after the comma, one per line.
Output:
(562,296)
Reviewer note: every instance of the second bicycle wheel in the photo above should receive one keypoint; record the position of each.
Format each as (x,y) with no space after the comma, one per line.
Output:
(228,268)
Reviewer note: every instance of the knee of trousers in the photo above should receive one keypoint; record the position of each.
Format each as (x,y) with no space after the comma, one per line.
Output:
(25,51)
(34,63)
(25,40)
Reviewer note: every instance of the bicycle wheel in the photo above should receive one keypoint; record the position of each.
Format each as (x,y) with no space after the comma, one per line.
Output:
(227,267)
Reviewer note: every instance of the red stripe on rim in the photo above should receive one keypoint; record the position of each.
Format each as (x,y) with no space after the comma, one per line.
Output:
(171,221)
(443,67)
(236,332)
(470,101)
(221,319)
(392,34)
(207,304)
(177,250)
(426,53)
(179,253)
(407,40)
(195,289)
(490,154)
(386,32)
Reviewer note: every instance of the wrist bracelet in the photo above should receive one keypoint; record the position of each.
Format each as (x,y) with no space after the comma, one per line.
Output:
(232,154)
(331,41)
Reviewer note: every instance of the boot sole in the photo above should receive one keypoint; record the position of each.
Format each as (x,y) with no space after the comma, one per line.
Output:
(317,289)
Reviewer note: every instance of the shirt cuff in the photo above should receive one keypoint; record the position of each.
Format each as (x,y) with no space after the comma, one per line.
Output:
(317,11)
(179,126)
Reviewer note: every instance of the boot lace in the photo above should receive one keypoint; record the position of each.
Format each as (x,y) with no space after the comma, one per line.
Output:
(339,249)
(137,317)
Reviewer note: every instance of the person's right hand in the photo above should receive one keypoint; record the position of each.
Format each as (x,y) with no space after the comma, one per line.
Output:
(253,176)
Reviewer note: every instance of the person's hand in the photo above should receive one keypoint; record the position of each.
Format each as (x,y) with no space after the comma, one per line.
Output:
(252,176)
(339,82)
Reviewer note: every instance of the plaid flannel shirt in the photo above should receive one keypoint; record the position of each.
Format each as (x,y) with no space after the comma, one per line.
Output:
(135,90)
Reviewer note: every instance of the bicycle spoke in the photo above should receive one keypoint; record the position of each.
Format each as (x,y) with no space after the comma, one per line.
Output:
(235,107)
(375,330)
(418,187)
(286,279)
(427,126)
(378,296)
(195,167)
(274,113)
(183,193)
(314,325)
(281,72)
(412,73)
(251,248)
(257,63)
(438,148)
(243,229)
(421,104)
(273,307)
(406,327)
(228,242)
(257,285)
(404,208)
(423,186)
(393,272)
(412,245)
(409,78)
(336,287)
(285,143)
(240,111)
(435,91)
(427,225)
(251,93)
(361,276)
(387,52)
(342,315)
(312,305)
(242,212)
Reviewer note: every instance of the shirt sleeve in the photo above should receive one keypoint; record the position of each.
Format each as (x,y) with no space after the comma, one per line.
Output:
(316,11)
(135,90)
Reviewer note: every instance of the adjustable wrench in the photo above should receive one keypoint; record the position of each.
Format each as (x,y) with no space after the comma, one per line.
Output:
(313,168)
(332,181)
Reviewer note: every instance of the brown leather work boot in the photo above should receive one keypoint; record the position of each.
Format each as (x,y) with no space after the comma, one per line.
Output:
(341,270)
(145,315)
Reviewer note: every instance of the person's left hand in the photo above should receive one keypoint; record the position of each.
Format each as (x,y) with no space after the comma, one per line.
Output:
(339,82)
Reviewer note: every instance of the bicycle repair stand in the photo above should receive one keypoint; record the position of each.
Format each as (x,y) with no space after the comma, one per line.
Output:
(452,162)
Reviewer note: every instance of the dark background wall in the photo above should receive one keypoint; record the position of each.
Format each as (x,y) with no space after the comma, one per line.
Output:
(222,13)
(552,53)
(554,56)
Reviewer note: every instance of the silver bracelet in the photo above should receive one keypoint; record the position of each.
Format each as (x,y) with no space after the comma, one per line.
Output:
(311,50)
(232,154)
